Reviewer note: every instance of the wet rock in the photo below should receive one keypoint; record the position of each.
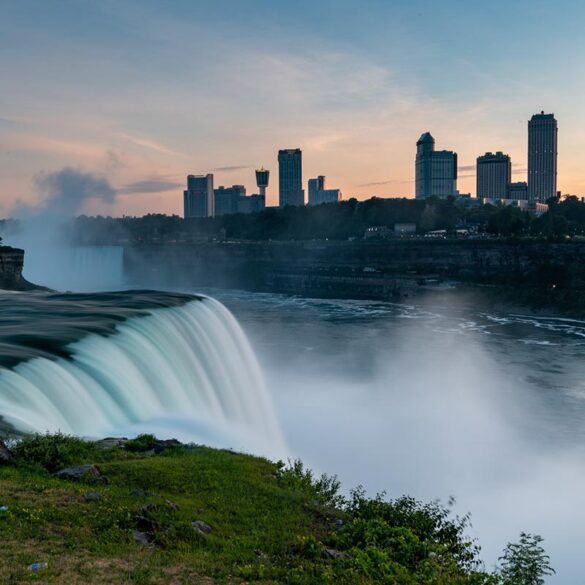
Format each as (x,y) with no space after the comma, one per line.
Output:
(5,454)
(202,527)
(141,537)
(92,496)
(87,473)
(331,553)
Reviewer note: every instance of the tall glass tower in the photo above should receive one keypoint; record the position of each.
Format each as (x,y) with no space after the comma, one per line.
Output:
(494,175)
(542,157)
(198,199)
(290,177)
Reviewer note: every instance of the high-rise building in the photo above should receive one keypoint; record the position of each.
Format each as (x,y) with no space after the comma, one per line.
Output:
(262,177)
(494,175)
(542,157)
(435,170)
(198,199)
(315,185)
(518,191)
(227,199)
(290,177)
(318,194)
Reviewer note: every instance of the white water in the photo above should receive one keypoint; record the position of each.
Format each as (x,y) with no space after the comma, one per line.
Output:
(186,372)
(79,269)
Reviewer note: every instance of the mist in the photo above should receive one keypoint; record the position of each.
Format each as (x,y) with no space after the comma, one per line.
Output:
(429,405)
(50,259)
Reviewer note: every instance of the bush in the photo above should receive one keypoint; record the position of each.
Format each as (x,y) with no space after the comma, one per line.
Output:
(325,489)
(412,533)
(141,443)
(52,451)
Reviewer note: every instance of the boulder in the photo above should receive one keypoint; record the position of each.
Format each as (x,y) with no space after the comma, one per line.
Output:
(88,473)
(145,522)
(162,445)
(5,454)
(111,442)
(201,527)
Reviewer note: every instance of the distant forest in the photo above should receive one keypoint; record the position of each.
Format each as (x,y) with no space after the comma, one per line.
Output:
(335,221)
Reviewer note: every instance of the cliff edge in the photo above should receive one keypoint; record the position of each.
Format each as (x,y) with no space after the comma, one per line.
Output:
(11,262)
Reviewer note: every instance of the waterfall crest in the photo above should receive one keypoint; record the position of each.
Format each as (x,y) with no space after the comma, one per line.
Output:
(185,371)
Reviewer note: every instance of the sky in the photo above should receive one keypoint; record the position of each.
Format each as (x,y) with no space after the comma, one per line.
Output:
(140,93)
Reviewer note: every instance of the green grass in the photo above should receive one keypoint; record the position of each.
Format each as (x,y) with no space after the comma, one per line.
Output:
(269,524)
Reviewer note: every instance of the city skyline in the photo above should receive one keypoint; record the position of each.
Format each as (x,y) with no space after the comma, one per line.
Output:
(138,106)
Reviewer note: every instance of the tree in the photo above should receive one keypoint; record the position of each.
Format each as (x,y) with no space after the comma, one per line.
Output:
(525,562)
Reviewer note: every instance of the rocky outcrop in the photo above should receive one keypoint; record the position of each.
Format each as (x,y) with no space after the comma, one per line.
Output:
(86,473)
(11,263)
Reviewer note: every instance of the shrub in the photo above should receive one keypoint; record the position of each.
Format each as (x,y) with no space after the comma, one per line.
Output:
(141,443)
(52,451)
(324,489)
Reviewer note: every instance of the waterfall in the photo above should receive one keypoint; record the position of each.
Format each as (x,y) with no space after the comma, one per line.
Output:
(185,371)
(77,268)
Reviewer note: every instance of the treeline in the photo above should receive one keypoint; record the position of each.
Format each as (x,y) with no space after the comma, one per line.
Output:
(336,221)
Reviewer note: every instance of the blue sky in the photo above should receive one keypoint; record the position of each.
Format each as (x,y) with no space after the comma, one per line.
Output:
(144,92)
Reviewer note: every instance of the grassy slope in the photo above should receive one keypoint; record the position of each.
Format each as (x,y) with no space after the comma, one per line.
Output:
(269,524)
(253,520)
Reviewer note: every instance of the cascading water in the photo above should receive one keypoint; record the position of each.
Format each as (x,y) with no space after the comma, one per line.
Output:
(185,371)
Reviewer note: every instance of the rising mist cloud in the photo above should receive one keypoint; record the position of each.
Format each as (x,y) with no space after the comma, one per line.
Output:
(66,192)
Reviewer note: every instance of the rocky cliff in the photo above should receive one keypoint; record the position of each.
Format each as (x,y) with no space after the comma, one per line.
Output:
(11,262)
(375,270)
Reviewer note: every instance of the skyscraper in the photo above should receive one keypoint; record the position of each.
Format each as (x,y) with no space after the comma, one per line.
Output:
(318,194)
(435,170)
(315,185)
(262,177)
(227,199)
(290,177)
(494,175)
(198,199)
(542,157)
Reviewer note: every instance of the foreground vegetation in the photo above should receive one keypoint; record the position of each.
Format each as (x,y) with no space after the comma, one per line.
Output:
(160,512)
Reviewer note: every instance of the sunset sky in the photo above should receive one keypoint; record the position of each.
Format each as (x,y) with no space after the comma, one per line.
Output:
(142,93)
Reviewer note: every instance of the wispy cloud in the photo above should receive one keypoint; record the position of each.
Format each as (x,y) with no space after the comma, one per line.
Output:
(149,144)
(465,168)
(388,182)
(230,169)
(152,185)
